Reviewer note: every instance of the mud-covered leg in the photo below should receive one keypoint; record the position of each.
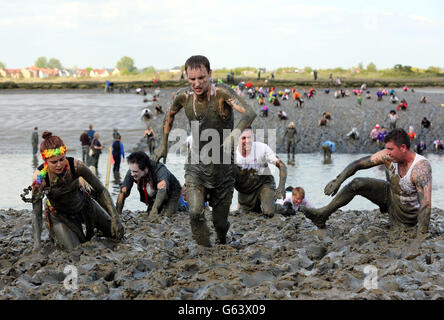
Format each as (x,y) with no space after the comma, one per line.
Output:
(266,196)
(64,235)
(172,204)
(373,189)
(101,219)
(220,222)
(199,228)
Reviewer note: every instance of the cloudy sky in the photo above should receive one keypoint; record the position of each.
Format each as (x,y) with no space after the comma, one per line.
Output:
(231,33)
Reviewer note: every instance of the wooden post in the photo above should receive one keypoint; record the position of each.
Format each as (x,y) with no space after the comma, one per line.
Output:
(108,167)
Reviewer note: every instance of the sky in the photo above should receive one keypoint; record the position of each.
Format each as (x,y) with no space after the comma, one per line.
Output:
(260,33)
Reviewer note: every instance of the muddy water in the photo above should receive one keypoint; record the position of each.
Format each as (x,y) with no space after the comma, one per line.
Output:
(309,172)
(68,112)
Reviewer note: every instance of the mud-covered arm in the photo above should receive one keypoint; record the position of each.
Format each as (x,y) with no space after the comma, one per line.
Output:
(240,105)
(161,195)
(125,191)
(422,179)
(178,103)
(37,210)
(161,175)
(280,191)
(103,196)
(376,159)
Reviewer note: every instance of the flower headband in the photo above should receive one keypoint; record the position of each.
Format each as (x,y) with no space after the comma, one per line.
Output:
(48,153)
(42,174)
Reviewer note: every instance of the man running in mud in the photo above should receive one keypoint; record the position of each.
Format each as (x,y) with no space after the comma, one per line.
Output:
(254,181)
(210,106)
(406,196)
(157,186)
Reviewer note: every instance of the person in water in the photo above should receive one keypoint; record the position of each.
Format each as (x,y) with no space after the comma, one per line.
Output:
(150,136)
(68,206)
(406,196)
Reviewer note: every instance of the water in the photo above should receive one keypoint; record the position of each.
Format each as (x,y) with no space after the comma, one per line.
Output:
(68,113)
(308,172)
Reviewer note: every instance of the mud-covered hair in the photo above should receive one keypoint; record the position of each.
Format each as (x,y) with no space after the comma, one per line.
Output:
(399,137)
(139,157)
(50,141)
(194,62)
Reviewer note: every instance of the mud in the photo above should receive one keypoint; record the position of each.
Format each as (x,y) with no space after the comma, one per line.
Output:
(278,258)
(345,115)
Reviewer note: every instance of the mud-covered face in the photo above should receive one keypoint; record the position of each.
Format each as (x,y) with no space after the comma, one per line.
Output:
(296,199)
(56,164)
(135,171)
(199,80)
(397,154)
(246,140)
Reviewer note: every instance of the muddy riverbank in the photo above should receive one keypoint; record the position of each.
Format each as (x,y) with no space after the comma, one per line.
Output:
(278,258)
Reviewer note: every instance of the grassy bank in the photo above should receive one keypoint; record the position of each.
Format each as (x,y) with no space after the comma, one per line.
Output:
(137,82)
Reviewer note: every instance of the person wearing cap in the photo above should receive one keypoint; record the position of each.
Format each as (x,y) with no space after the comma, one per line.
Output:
(393,118)
(374,133)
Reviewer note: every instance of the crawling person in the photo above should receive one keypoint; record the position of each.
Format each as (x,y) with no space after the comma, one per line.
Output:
(293,200)
(406,196)
(68,206)
(157,186)
(254,181)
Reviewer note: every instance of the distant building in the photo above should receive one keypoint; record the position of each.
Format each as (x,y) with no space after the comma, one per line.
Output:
(66,73)
(99,73)
(11,73)
(82,73)
(247,72)
(45,73)
(116,72)
(175,70)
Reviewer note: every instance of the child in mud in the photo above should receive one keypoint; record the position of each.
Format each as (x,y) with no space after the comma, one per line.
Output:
(406,196)
(295,198)
(67,205)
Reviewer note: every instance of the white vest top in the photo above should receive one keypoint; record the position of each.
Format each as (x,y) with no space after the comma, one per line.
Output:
(409,195)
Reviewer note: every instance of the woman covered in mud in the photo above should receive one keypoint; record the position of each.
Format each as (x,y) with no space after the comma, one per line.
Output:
(68,205)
